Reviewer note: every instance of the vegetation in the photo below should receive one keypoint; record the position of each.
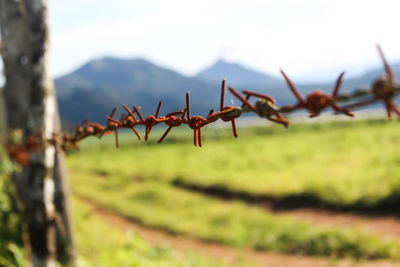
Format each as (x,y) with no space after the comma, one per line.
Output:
(100,244)
(163,206)
(11,248)
(346,165)
(338,164)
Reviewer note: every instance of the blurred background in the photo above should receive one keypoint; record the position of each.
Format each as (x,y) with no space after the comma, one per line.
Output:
(143,51)
(319,194)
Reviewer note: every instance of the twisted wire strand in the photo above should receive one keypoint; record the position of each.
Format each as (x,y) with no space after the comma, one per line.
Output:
(384,89)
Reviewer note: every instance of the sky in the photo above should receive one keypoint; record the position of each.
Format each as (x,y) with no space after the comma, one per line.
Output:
(313,40)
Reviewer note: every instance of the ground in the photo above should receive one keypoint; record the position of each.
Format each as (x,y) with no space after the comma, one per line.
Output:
(316,195)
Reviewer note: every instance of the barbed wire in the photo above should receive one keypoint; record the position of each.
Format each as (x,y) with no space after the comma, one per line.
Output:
(384,89)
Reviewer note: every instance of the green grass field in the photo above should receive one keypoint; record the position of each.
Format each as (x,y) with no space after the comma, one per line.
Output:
(100,244)
(346,165)
(343,164)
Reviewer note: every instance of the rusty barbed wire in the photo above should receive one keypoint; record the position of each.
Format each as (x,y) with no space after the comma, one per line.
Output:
(384,89)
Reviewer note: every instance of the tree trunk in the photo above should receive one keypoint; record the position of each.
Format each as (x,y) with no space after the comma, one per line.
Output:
(31,106)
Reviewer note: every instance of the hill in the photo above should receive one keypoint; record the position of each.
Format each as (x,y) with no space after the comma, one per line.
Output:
(94,89)
(237,75)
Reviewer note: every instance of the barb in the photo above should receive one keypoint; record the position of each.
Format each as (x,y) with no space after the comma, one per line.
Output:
(388,69)
(266,107)
(337,85)
(293,87)
(383,90)
(316,101)
(132,119)
(173,122)
(223,86)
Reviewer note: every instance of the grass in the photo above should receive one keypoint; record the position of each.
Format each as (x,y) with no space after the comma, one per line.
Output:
(11,247)
(163,206)
(352,165)
(348,165)
(100,244)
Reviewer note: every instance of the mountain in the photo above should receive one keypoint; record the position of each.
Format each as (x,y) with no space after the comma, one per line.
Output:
(94,89)
(237,75)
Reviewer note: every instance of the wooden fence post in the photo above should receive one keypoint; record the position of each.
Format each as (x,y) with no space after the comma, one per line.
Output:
(31,106)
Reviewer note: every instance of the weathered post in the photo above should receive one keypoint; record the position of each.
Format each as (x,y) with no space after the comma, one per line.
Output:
(31,106)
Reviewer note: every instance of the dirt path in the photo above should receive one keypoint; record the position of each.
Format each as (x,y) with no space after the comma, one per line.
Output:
(387,226)
(218,251)
(384,225)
